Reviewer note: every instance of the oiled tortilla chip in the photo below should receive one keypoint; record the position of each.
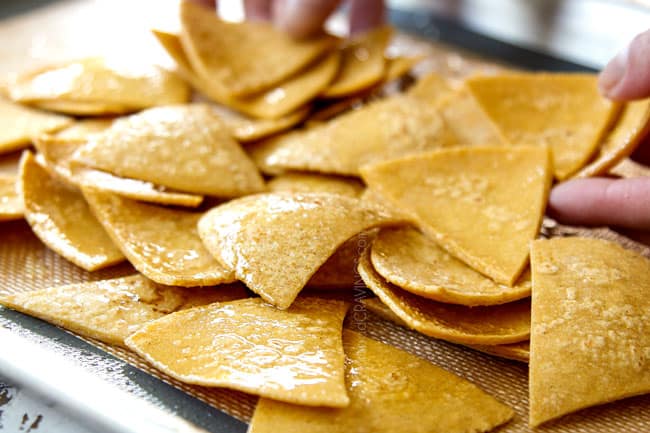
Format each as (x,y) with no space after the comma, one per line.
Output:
(312,182)
(563,111)
(483,204)
(293,355)
(413,262)
(467,121)
(60,217)
(431,88)
(162,243)
(111,310)
(391,391)
(498,324)
(11,203)
(275,242)
(590,336)
(184,147)
(340,270)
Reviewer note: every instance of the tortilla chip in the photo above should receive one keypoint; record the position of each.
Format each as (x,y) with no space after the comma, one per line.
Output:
(483,204)
(111,310)
(563,111)
(18,125)
(362,63)
(9,163)
(295,355)
(340,270)
(431,88)
(275,242)
(182,147)
(629,168)
(397,67)
(467,121)
(86,86)
(246,57)
(311,182)
(246,129)
(413,262)
(162,243)
(11,203)
(60,217)
(631,127)
(498,324)
(82,130)
(590,337)
(391,391)
(381,130)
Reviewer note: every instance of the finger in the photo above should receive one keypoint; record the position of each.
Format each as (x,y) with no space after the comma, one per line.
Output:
(627,76)
(212,4)
(601,201)
(366,14)
(302,18)
(257,10)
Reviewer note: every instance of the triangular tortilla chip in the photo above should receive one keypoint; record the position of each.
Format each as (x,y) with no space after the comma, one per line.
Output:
(111,310)
(183,147)
(483,204)
(162,243)
(81,130)
(413,262)
(247,57)
(396,67)
(18,125)
(498,324)
(362,63)
(467,121)
(275,242)
(381,130)
(431,88)
(82,108)
(11,203)
(60,217)
(631,127)
(340,270)
(293,355)
(590,336)
(563,111)
(391,391)
(246,129)
(312,182)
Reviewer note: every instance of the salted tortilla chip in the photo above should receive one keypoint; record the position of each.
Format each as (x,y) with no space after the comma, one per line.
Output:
(590,336)
(60,217)
(631,127)
(111,310)
(397,67)
(391,391)
(431,87)
(497,324)
(362,64)
(182,147)
(413,262)
(312,182)
(92,83)
(162,243)
(467,121)
(246,129)
(483,204)
(11,203)
(381,130)
(18,125)
(246,57)
(563,111)
(293,355)
(275,242)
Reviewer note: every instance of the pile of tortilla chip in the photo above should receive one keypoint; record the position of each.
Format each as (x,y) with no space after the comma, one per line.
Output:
(246,256)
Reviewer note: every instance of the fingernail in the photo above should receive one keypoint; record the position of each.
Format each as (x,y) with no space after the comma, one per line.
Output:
(613,72)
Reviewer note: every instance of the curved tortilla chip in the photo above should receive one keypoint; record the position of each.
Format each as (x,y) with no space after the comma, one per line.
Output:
(275,242)
(81,130)
(483,204)
(162,243)
(432,88)
(397,67)
(183,147)
(111,310)
(11,203)
(60,217)
(81,108)
(498,324)
(590,337)
(467,121)
(408,259)
(293,355)
(312,182)
(391,391)
(340,270)
(245,129)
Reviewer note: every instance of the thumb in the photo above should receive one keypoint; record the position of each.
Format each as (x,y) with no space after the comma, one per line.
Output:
(627,76)
(302,18)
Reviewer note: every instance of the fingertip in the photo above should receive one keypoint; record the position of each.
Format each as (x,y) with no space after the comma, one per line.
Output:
(366,15)
(302,18)
(627,76)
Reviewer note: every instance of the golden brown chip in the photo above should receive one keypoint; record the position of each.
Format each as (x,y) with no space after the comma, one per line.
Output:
(111,310)
(60,217)
(497,324)
(362,64)
(467,121)
(590,336)
(391,391)
(18,125)
(162,243)
(81,108)
(563,111)
(483,204)
(381,130)
(340,270)
(413,262)
(312,182)
(397,67)
(431,88)
(11,203)
(81,130)
(245,129)
(247,57)
(293,355)
(275,242)
(630,128)
(183,147)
